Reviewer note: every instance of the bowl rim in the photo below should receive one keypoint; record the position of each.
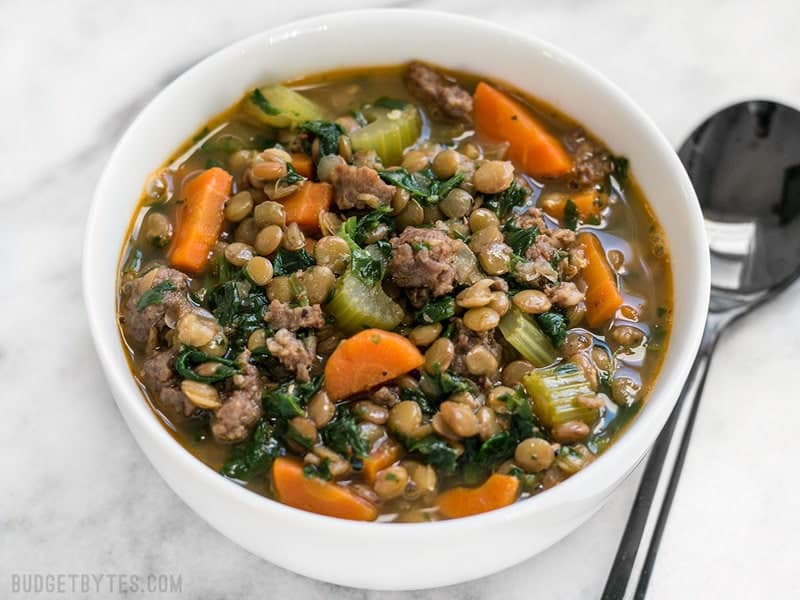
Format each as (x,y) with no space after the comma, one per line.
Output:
(613,465)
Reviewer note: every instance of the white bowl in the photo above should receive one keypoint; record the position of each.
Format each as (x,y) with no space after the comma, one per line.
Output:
(374,555)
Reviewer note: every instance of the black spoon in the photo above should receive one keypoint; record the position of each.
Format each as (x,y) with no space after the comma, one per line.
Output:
(744,162)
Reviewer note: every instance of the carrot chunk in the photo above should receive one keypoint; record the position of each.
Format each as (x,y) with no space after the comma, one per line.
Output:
(200,220)
(602,295)
(532,148)
(302,164)
(498,491)
(385,455)
(367,359)
(317,495)
(306,205)
(588,204)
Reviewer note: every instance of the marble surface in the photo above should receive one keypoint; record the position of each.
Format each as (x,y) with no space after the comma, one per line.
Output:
(78,496)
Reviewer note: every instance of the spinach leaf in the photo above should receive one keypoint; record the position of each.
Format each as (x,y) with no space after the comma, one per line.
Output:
(422,185)
(327,133)
(367,224)
(523,423)
(620,168)
(155,295)
(320,471)
(368,264)
(436,309)
(254,456)
(287,262)
(570,215)
(439,454)
(257,98)
(288,399)
(418,396)
(504,202)
(478,460)
(520,239)
(224,300)
(554,325)
(292,176)
(449,383)
(189,358)
(343,436)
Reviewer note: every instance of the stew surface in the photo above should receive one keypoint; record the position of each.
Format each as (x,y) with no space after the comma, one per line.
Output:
(395,294)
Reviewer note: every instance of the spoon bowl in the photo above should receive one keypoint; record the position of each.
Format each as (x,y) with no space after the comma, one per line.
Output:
(744,162)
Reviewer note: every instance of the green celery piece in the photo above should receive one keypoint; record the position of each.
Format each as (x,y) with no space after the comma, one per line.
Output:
(389,134)
(555,391)
(278,106)
(356,306)
(527,338)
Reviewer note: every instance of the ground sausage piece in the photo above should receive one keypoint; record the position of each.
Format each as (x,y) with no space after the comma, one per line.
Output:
(241,405)
(139,325)
(565,294)
(592,163)
(444,98)
(553,255)
(158,375)
(291,353)
(283,316)
(353,184)
(423,258)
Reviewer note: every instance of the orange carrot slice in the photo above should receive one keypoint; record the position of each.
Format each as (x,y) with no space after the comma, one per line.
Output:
(385,455)
(317,495)
(302,164)
(498,491)
(200,220)
(602,295)
(532,148)
(306,205)
(367,359)
(588,204)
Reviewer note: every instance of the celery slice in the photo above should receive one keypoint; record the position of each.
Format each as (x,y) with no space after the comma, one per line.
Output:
(389,134)
(356,306)
(527,338)
(278,106)
(555,391)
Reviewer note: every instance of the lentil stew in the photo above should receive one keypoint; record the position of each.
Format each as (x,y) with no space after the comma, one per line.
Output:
(398,294)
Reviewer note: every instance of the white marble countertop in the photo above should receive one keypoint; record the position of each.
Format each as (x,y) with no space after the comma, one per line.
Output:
(78,496)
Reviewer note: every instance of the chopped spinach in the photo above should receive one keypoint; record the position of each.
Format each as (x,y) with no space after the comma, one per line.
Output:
(554,325)
(422,185)
(292,176)
(418,396)
(260,100)
(327,133)
(368,264)
(436,310)
(620,168)
(189,358)
(504,202)
(287,262)
(438,453)
(155,295)
(343,436)
(480,459)
(288,400)
(320,471)
(449,383)
(520,239)
(523,423)
(254,456)
(367,224)
(570,215)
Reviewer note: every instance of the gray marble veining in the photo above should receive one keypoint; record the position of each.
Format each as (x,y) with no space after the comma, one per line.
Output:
(78,496)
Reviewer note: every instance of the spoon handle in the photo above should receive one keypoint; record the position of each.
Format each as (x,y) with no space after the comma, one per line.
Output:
(630,573)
